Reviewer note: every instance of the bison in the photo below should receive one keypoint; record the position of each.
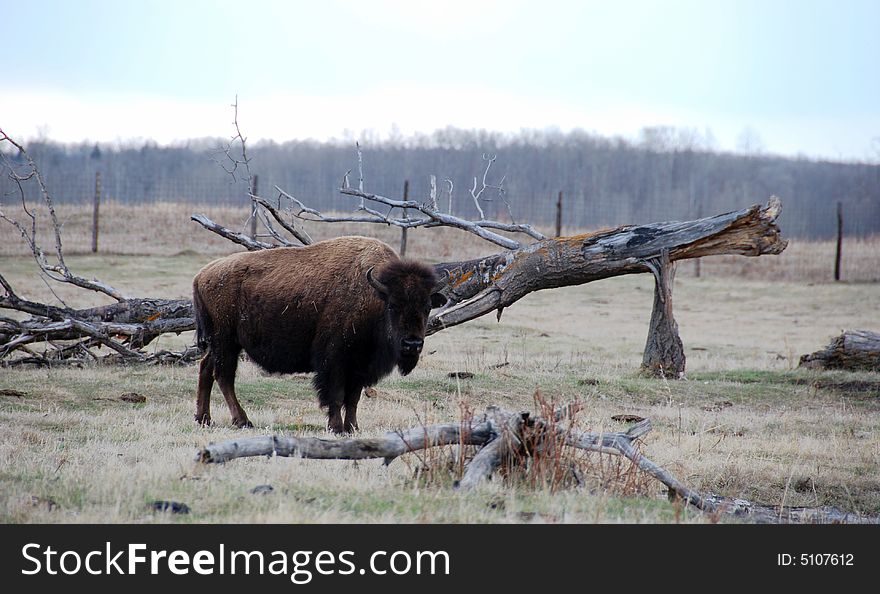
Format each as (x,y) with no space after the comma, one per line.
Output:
(348,309)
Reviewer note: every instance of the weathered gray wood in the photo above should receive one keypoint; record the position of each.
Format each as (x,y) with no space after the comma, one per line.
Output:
(664,353)
(625,447)
(96,212)
(139,320)
(403,231)
(506,429)
(435,217)
(234,236)
(254,183)
(783,514)
(855,350)
(505,435)
(839,248)
(483,464)
(392,445)
(300,234)
(477,287)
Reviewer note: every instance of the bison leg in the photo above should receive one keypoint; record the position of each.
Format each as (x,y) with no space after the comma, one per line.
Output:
(334,418)
(239,417)
(332,395)
(203,397)
(352,396)
(225,376)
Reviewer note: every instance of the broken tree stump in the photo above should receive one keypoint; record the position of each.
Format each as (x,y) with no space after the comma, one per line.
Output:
(664,352)
(854,350)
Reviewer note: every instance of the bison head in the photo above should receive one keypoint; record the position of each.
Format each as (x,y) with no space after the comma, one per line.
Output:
(409,290)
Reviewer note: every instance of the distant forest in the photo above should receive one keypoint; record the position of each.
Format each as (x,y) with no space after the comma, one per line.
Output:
(605,182)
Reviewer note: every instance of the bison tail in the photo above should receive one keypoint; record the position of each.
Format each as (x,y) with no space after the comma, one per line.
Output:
(204,326)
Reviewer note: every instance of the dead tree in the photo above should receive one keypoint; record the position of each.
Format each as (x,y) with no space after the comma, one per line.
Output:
(664,352)
(483,285)
(474,287)
(67,334)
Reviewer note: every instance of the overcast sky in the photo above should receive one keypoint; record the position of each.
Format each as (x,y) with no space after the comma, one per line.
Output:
(802,76)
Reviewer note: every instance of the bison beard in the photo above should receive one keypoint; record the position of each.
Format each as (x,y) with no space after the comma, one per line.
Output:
(407,363)
(319,308)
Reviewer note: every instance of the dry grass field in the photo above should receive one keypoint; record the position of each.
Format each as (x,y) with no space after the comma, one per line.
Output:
(745,423)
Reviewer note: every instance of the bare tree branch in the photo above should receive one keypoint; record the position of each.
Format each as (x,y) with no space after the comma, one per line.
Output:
(478,228)
(234,236)
(477,194)
(299,234)
(58,272)
(449,193)
(232,163)
(433,216)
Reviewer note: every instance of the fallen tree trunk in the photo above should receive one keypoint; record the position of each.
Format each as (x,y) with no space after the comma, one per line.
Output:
(389,447)
(502,434)
(474,288)
(785,514)
(477,287)
(854,350)
(126,327)
(515,438)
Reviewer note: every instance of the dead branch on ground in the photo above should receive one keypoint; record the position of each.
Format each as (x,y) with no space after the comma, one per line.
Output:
(517,438)
(59,333)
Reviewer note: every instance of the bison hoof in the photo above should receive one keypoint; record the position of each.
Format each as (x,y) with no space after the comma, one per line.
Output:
(203,420)
(242,423)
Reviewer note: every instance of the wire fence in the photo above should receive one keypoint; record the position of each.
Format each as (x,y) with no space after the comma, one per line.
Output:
(600,187)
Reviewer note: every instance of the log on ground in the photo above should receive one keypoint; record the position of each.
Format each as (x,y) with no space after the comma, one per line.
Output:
(854,350)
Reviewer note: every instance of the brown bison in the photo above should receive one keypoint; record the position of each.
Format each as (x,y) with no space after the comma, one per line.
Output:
(348,309)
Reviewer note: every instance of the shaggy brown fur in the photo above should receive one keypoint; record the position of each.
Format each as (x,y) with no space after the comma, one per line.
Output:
(312,309)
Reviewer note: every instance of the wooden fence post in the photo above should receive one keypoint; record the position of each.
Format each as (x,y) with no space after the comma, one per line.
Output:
(254,208)
(95,212)
(697,260)
(405,216)
(839,241)
(559,215)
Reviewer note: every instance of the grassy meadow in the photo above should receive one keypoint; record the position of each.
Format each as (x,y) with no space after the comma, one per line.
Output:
(746,422)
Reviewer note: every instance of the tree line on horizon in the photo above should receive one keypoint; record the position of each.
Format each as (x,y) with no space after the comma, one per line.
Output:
(668,174)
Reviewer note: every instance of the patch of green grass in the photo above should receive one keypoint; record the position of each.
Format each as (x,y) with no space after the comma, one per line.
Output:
(298,428)
(653,510)
(753,376)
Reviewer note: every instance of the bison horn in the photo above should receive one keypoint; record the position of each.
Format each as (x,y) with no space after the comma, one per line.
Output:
(383,289)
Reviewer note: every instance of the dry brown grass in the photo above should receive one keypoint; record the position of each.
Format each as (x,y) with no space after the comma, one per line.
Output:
(745,423)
